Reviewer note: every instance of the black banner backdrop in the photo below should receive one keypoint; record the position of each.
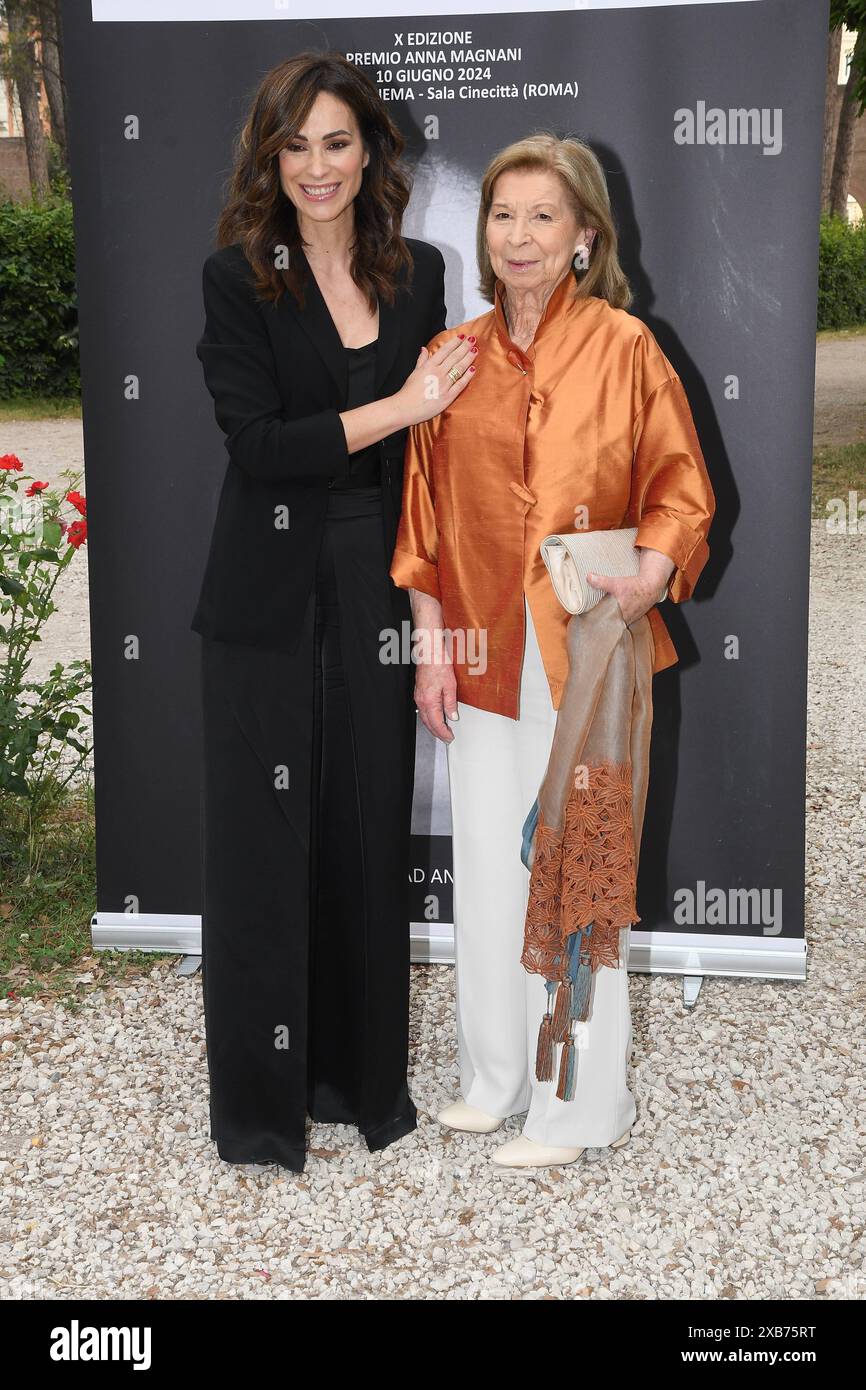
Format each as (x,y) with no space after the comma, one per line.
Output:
(707,119)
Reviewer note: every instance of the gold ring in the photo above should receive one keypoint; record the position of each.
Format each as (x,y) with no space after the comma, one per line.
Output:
(455,374)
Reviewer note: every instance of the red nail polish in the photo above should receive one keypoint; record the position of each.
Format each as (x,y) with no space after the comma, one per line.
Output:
(472,337)
(475,349)
(460,335)
(472,368)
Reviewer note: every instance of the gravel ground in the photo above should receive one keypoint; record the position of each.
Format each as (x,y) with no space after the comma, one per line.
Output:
(745,1176)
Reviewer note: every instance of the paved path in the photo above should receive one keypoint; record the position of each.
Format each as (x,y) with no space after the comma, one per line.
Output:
(840,391)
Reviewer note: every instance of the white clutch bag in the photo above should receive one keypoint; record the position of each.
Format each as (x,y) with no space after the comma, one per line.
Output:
(569,558)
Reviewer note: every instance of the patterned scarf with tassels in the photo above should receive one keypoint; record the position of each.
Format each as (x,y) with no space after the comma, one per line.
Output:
(581,839)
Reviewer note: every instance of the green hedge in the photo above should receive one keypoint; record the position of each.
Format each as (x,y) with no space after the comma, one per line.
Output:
(38,309)
(841,274)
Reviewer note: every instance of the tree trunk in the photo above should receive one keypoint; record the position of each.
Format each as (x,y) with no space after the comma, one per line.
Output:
(831,113)
(24,75)
(845,138)
(52,74)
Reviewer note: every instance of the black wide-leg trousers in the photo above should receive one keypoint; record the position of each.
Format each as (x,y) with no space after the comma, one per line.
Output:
(307,774)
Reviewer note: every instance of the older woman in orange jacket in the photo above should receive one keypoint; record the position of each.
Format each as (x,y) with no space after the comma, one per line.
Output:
(576,420)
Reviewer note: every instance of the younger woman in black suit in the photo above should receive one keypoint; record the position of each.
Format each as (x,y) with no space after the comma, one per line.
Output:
(317,311)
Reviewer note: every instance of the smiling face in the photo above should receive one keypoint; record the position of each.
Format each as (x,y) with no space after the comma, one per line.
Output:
(321,168)
(532,232)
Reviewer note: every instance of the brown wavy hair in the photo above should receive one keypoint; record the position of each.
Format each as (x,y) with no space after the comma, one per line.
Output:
(260,216)
(586,186)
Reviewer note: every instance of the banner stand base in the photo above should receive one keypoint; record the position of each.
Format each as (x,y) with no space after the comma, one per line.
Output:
(432,943)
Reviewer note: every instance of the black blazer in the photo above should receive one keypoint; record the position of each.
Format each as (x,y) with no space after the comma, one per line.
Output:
(278,377)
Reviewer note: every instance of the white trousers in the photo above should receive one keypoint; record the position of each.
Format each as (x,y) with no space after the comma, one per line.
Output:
(495,767)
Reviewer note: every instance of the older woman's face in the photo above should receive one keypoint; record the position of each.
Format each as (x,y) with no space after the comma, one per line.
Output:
(321,169)
(532,232)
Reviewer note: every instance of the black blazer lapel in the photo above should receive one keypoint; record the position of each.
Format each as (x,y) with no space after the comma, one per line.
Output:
(315,320)
(389,339)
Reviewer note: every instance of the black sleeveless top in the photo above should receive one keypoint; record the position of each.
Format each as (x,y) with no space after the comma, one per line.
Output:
(365,466)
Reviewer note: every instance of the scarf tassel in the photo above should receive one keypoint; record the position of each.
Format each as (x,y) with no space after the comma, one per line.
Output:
(544,1051)
(582,987)
(562,1012)
(565,1087)
(544,1048)
(570,1006)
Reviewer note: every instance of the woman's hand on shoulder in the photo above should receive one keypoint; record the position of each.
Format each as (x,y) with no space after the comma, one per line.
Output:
(429,388)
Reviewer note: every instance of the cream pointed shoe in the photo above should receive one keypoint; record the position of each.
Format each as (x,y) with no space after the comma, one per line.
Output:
(525,1153)
(466,1117)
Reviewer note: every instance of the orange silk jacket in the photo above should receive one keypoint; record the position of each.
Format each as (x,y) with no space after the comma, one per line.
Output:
(589,429)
